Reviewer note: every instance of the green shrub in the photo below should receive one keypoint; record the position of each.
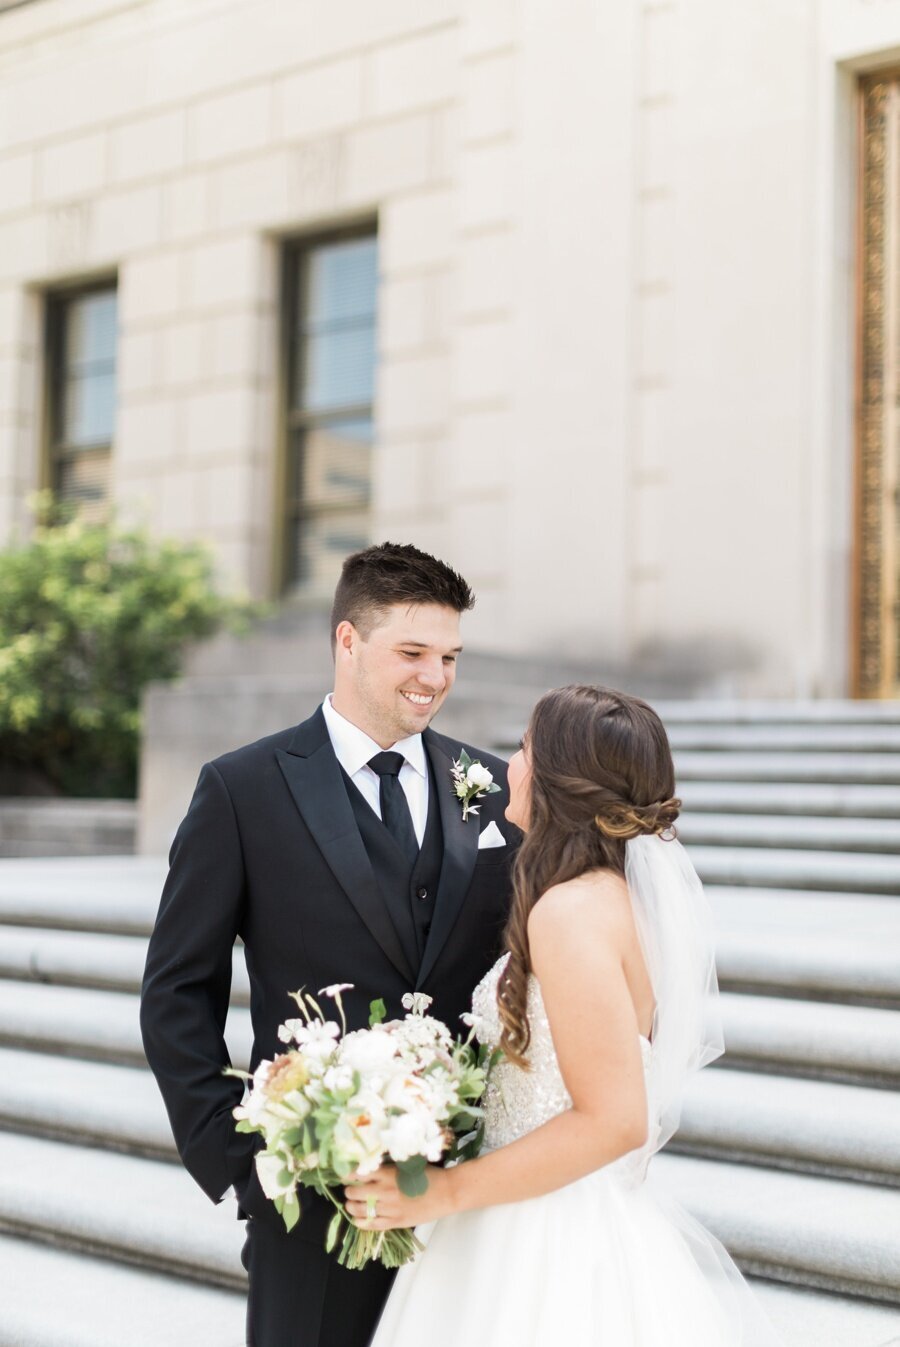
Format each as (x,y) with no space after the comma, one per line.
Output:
(90,613)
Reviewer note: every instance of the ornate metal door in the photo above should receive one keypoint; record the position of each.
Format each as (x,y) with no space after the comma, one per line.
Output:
(877,579)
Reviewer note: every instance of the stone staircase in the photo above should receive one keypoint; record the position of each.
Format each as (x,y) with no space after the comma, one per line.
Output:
(789,1150)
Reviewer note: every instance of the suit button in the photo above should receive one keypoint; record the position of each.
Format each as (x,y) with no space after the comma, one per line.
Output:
(421,893)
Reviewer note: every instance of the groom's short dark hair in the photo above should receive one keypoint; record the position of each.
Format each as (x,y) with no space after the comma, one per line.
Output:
(378,577)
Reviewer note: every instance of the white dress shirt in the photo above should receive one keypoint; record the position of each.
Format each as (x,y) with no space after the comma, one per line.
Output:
(353,748)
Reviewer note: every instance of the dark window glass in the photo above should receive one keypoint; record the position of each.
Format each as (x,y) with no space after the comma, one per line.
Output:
(332,380)
(83,394)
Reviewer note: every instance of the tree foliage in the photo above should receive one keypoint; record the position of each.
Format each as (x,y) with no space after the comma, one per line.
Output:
(89,614)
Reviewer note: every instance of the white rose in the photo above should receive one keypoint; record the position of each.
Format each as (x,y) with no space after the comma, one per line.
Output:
(479,776)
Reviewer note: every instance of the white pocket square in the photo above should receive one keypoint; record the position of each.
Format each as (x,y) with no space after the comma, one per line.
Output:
(491,836)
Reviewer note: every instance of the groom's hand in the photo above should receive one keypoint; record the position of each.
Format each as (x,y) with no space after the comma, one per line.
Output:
(376,1202)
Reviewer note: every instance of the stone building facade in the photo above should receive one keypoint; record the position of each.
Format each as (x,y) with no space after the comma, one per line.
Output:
(575,296)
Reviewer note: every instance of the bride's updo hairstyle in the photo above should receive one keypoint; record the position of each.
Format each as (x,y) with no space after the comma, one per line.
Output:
(601,773)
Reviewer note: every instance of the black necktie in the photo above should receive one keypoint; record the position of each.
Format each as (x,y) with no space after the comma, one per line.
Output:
(395,813)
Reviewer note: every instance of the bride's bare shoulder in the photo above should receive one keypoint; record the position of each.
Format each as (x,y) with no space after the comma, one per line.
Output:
(596,901)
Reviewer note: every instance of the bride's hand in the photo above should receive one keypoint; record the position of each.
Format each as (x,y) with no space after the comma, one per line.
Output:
(393,1209)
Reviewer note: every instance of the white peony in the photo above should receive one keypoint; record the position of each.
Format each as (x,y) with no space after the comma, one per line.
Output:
(338,1078)
(412,1134)
(479,776)
(367,1050)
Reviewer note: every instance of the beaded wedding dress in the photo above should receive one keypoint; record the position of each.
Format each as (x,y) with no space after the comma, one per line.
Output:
(607,1261)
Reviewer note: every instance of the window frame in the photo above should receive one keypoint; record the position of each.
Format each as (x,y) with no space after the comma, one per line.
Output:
(55,451)
(295,420)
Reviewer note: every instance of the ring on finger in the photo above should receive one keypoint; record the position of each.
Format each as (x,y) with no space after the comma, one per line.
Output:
(371,1208)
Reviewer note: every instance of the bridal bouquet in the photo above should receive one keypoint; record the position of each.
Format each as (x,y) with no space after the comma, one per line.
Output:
(335,1104)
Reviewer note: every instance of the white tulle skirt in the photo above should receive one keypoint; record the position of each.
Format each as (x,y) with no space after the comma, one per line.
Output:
(597,1264)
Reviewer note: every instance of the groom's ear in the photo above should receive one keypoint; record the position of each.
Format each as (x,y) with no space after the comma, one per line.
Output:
(346,637)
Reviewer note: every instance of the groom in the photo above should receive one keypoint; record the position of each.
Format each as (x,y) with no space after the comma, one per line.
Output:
(337,851)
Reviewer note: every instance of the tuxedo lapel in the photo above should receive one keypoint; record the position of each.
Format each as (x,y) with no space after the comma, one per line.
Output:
(460,854)
(313,776)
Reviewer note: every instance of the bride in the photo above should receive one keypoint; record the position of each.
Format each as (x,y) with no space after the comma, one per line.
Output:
(603,1007)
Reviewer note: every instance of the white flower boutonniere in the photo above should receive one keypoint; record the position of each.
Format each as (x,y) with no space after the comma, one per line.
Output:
(471,780)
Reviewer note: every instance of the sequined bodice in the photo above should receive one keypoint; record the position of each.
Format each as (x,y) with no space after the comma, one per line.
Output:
(517,1101)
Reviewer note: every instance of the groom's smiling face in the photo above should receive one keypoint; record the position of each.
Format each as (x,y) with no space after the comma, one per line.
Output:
(391,679)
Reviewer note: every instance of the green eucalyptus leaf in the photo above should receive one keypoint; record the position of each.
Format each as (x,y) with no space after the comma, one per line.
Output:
(334,1230)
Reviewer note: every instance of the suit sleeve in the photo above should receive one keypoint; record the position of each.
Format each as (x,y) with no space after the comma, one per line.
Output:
(187,985)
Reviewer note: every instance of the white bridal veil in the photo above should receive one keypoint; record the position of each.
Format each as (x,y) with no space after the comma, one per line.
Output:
(675,927)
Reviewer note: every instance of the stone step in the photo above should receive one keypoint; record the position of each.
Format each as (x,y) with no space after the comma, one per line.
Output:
(816,1232)
(123,1207)
(854,1044)
(58,1298)
(878,836)
(58,827)
(94,1103)
(794,869)
(97,1025)
(829,768)
(826,712)
(792,798)
(83,959)
(105,893)
(817,1319)
(807,1230)
(96,1303)
(833,946)
(825,946)
(787,738)
(803,1125)
(793,1124)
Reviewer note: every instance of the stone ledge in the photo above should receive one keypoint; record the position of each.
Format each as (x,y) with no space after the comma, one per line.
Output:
(816,1232)
(801,1125)
(97,1025)
(815,1319)
(129,1209)
(856,835)
(85,959)
(845,1043)
(100,1304)
(776,868)
(767,767)
(795,799)
(61,827)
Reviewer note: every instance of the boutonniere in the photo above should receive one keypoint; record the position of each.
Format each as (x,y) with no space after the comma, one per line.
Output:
(471,780)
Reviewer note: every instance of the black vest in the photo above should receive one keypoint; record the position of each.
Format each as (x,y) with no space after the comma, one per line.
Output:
(409,893)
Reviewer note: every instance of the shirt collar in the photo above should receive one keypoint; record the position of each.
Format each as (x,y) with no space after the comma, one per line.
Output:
(353,747)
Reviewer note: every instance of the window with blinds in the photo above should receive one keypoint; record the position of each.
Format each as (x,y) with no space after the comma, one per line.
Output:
(332,316)
(82,395)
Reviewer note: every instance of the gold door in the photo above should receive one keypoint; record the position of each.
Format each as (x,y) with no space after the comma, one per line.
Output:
(877,568)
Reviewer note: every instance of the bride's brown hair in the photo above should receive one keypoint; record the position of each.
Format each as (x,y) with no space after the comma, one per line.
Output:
(601,772)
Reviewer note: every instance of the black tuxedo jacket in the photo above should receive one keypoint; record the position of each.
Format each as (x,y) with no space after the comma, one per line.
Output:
(270,851)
